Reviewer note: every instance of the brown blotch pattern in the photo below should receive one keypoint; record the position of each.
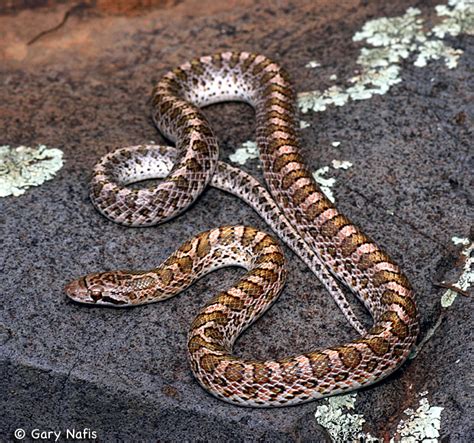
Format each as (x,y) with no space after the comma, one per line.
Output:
(268,76)
(185,264)
(320,364)
(261,373)
(197,67)
(265,242)
(399,328)
(197,342)
(234,372)
(266,274)
(301,194)
(204,246)
(274,257)
(247,62)
(382,277)
(290,371)
(204,317)
(233,303)
(333,226)
(248,236)
(209,362)
(250,391)
(379,346)
(341,376)
(318,208)
(180,74)
(274,101)
(213,334)
(406,303)
(371,258)
(217,60)
(234,59)
(349,356)
(249,288)
(290,178)
(351,243)
(165,275)
(193,165)
(275,144)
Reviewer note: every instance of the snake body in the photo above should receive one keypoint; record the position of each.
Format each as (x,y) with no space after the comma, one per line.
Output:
(296,209)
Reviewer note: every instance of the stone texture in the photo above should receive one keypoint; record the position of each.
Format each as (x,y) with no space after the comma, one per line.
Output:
(123,373)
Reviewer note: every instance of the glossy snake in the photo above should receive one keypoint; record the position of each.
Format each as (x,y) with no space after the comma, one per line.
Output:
(296,210)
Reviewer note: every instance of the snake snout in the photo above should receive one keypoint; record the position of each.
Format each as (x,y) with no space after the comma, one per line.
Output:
(77,291)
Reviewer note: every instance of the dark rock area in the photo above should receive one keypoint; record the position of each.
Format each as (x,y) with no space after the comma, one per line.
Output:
(84,88)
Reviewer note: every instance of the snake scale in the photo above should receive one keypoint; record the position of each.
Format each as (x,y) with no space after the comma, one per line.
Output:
(295,208)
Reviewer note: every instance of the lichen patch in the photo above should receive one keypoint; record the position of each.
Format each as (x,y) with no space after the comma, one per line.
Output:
(422,424)
(393,40)
(336,415)
(23,167)
(249,150)
(466,279)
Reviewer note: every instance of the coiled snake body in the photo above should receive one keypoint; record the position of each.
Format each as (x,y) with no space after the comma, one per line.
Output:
(296,210)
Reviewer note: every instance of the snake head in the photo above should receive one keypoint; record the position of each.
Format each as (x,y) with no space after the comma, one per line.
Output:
(106,288)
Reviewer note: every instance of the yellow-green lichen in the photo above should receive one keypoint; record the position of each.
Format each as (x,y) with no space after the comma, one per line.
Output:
(421,425)
(336,415)
(23,167)
(393,40)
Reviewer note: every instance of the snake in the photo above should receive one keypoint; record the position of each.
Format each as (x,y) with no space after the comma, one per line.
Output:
(339,254)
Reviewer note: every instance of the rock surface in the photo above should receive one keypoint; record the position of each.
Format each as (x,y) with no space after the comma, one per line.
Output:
(85,88)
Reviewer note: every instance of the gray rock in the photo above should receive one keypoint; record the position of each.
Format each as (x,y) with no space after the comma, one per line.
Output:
(123,373)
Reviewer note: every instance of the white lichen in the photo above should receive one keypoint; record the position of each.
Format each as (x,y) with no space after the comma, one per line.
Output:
(421,425)
(459,18)
(304,124)
(460,240)
(341,164)
(447,299)
(336,415)
(392,41)
(337,96)
(313,100)
(335,144)
(23,167)
(312,64)
(249,150)
(466,279)
(325,183)
(435,50)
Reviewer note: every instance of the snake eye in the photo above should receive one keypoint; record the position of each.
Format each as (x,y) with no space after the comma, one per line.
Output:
(95,294)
